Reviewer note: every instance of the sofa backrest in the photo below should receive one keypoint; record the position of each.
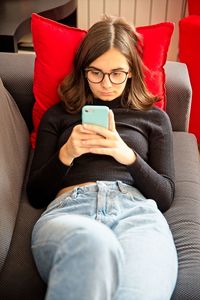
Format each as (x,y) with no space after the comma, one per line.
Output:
(17,69)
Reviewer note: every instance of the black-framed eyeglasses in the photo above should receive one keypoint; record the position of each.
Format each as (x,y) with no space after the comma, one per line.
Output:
(97,76)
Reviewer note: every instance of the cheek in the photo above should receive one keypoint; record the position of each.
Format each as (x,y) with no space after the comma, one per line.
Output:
(121,88)
(93,88)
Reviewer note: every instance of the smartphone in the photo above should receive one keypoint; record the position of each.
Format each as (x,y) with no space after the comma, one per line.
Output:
(96,115)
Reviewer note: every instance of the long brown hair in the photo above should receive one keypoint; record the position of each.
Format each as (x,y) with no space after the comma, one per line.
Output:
(111,32)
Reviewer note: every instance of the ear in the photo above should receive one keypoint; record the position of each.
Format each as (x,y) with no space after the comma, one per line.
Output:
(129,75)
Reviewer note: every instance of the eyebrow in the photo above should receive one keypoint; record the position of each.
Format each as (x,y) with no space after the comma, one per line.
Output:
(112,70)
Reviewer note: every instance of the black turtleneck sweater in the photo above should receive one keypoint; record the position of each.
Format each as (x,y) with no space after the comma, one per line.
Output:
(148,133)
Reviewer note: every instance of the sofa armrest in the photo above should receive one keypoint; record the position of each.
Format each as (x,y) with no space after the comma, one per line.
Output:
(183,215)
(14,151)
(179,95)
(16,72)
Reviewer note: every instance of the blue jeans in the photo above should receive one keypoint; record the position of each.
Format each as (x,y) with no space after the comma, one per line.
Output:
(105,241)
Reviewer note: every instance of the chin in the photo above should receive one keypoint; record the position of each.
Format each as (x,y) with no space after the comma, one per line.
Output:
(107,97)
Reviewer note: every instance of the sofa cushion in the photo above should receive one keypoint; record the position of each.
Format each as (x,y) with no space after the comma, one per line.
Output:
(19,271)
(55,46)
(183,215)
(14,147)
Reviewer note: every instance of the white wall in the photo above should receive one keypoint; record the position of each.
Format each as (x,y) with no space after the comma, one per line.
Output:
(138,12)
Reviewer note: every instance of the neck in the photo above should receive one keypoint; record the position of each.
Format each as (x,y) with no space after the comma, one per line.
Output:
(115,103)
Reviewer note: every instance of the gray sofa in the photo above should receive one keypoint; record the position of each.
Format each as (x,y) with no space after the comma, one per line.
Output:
(18,275)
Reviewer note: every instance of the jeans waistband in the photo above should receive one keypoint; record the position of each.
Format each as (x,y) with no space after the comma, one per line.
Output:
(113,185)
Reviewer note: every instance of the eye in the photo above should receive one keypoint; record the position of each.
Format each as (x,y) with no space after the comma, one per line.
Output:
(117,74)
(95,72)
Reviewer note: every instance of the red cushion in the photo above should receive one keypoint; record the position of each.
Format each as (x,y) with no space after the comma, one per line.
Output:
(156,40)
(194,7)
(55,46)
(189,53)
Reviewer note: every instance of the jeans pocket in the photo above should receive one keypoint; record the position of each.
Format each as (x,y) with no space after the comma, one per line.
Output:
(131,191)
(51,207)
(62,201)
(56,203)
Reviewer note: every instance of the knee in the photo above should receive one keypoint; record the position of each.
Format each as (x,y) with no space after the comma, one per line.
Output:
(100,251)
(96,243)
(101,240)
(98,239)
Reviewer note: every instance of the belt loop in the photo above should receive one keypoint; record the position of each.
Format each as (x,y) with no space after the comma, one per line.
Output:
(121,187)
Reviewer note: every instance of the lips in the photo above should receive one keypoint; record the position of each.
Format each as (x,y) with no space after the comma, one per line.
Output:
(107,93)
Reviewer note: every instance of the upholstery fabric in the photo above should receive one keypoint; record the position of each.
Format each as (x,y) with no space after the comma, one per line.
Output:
(183,216)
(20,86)
(55,45)
(179,95)
(20,261)
(14,149)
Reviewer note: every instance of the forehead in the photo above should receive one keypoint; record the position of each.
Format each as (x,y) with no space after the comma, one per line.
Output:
(111,59)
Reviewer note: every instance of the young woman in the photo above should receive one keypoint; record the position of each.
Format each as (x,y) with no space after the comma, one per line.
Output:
(103,235)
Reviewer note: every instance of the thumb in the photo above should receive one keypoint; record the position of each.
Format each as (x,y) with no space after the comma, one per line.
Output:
(111,121)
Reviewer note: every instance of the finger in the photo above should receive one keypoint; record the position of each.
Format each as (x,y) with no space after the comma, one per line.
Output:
(95,128)
(92,136)
(111,121)
(99,143)
(82,129)
(98,130)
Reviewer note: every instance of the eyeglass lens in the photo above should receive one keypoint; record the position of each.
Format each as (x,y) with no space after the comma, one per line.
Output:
(97,76)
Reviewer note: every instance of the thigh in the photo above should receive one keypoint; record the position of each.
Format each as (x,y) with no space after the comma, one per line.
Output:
(49,235)
(150,268)
(69,237)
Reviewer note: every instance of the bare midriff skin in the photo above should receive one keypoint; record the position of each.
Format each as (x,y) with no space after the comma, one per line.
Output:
(70,188)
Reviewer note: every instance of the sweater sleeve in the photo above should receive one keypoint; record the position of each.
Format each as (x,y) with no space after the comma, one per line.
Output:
(155,177)
(47,171)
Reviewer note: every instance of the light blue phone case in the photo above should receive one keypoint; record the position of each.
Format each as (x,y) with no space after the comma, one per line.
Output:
(96,115)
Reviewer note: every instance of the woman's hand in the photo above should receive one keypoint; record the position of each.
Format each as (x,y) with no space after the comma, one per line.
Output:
(75,146)
(98,140)
(110,142)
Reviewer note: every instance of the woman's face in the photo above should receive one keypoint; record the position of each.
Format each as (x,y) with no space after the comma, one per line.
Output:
(111,61)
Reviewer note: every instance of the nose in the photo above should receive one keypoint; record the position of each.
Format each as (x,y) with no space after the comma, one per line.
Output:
(106,81)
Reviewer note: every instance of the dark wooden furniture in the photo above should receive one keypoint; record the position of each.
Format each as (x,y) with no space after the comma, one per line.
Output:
(15,16)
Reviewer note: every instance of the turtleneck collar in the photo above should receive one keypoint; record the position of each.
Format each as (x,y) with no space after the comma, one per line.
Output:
(116,103)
